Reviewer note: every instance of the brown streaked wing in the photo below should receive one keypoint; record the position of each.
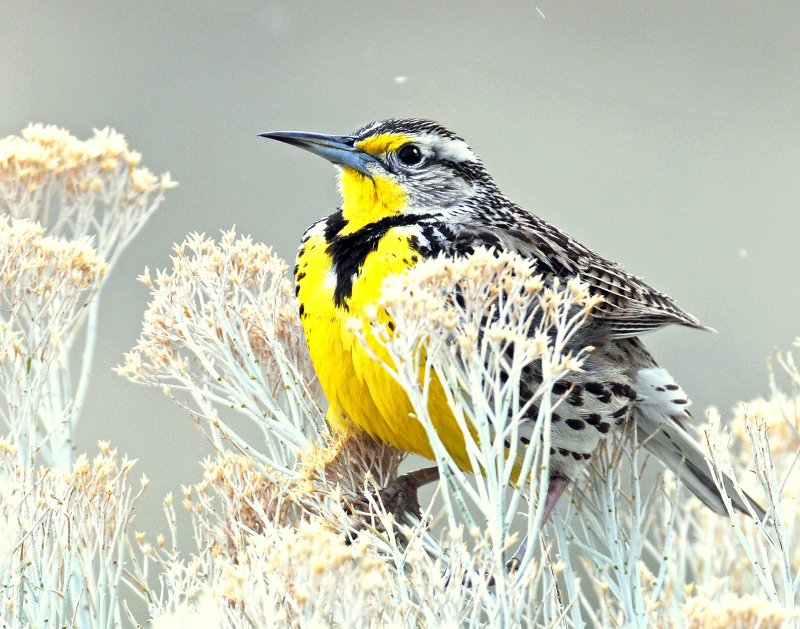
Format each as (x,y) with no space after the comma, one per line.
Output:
(631,307)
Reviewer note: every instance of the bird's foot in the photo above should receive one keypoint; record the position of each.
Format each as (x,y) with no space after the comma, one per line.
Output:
(512,565)
(399,498)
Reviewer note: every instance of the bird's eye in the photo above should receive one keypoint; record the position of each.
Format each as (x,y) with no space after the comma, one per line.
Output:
(409,154)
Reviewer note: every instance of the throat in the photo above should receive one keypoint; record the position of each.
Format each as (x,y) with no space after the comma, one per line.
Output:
(367,200)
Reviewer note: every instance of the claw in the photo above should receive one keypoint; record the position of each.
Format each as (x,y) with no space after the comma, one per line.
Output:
(398,498)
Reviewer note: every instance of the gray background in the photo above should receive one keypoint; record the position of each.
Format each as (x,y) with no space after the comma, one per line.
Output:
(663,135)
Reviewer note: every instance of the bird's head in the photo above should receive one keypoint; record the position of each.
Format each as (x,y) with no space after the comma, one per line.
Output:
(397,166)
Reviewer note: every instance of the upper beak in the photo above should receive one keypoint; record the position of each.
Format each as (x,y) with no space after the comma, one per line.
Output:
(338,149)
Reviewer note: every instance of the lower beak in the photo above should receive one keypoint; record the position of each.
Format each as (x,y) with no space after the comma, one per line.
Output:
(338,149)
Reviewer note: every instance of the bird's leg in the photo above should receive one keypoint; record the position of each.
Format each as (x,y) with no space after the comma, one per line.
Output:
(555,488)
(398,498)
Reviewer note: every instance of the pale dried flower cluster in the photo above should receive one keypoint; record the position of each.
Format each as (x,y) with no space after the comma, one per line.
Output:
(268,552)
(221,336)
(65,543)
(708,610)
(46,284)
(69,207)
(751,558)
(617,555)
(78,188)
(472,326)
(274,543)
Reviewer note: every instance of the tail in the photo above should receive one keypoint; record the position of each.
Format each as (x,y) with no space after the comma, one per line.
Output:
(661,408)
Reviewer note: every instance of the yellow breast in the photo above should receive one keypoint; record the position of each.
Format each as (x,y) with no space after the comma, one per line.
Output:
(360,392)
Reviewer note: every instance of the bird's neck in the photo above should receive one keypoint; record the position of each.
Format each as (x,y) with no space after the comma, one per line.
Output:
(367,200)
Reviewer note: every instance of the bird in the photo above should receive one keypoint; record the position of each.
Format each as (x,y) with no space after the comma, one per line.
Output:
(413,190)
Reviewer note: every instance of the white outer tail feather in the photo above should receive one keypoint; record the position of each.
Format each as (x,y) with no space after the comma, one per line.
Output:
(660,415)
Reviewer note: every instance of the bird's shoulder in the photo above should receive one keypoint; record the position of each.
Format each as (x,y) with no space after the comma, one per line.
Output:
(630,306)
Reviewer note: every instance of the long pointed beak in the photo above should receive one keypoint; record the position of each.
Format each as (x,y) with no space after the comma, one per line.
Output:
(338,149)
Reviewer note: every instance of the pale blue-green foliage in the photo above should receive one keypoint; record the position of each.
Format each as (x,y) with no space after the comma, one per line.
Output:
(222,337)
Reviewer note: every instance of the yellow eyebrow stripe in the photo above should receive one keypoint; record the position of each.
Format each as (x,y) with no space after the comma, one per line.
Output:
(383,143)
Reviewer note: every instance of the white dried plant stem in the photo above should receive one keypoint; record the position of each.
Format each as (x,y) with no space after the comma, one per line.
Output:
(719,464)
(69,547)
(482,405)
(642,547)
(77,190)
(46,283)
(221,331)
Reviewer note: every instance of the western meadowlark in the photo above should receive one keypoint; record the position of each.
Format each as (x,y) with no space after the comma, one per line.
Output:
(412,189)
